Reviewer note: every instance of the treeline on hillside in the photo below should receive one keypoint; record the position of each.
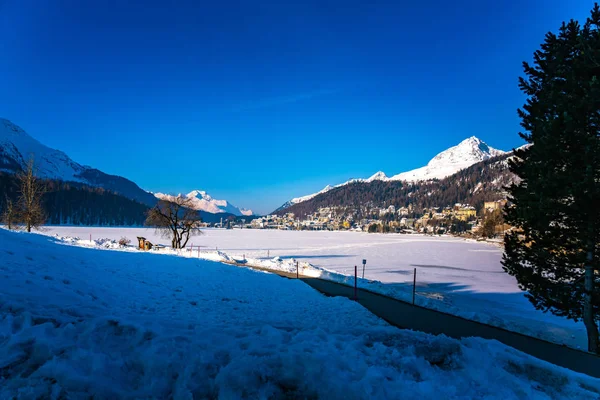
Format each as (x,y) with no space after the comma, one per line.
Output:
(78,204)
(481,182)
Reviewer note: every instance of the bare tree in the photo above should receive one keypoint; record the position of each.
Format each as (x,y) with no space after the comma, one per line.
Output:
(9,215)
(175,219)
(29,204)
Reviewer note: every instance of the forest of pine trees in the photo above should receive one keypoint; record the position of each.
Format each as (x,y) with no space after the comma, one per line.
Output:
(72,203)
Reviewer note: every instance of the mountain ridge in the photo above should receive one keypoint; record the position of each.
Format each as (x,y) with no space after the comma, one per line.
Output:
(16,146)
(202,201)
(482,181)
(446,163)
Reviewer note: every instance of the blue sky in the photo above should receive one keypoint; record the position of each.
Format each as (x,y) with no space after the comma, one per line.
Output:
(258,102)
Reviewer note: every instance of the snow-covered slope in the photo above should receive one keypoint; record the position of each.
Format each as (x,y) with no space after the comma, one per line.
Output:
(468,152)
(297,200)
(449,162)
(16,147)
(81,323)
(377,176)
(203,201)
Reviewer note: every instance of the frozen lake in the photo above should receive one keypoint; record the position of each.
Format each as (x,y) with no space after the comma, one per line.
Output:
(465,276)
(467,265)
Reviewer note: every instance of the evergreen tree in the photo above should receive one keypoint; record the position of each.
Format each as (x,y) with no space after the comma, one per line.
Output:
(555,251)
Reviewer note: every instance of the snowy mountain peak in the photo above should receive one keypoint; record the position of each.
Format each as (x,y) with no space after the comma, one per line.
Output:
(379,176)
(16,146)
(468,152)
(7,128)
(202,201)
(201,194)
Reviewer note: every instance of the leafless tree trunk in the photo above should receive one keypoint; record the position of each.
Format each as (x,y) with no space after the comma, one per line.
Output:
(31,190)
(9,216)
(175,220)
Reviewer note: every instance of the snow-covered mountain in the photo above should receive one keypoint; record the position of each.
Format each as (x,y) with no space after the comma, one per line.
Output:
(204,202)
(297,200)
(16,147)
(468,152)
(449,162)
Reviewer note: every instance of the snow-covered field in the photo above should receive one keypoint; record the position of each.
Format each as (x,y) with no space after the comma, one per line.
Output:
(453,275)
(91,323)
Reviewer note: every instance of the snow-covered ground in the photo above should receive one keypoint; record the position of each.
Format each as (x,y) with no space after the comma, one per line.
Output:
(453,275)
(81,323)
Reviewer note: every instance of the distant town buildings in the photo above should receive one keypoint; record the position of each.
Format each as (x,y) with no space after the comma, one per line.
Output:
(494,205)
(460,218)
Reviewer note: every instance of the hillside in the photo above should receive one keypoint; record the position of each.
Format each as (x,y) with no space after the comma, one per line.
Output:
(483,181)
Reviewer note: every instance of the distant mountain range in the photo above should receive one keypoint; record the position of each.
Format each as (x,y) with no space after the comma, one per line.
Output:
(436,180)
(480,182)
(16,146)
(203,201)
(447,163)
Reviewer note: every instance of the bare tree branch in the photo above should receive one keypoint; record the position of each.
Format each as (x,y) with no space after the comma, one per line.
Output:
(176,220)
(29,204)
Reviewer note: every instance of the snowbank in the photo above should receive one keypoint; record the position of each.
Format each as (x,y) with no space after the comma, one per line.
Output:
(467,291)
(78,322)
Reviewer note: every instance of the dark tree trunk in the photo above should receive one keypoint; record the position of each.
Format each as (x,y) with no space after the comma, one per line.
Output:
(588,307)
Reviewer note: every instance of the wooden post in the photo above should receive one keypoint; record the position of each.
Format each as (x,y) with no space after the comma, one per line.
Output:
(90,238)
(414,285)
(355,282)
(297,275)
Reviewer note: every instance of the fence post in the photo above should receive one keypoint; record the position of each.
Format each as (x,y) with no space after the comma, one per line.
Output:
(355,282)
(296,269)
(414,284)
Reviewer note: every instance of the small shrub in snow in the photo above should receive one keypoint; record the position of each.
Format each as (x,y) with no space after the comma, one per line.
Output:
(123,242)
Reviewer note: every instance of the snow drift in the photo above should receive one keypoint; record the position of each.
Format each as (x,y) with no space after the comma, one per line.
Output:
(80,323)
